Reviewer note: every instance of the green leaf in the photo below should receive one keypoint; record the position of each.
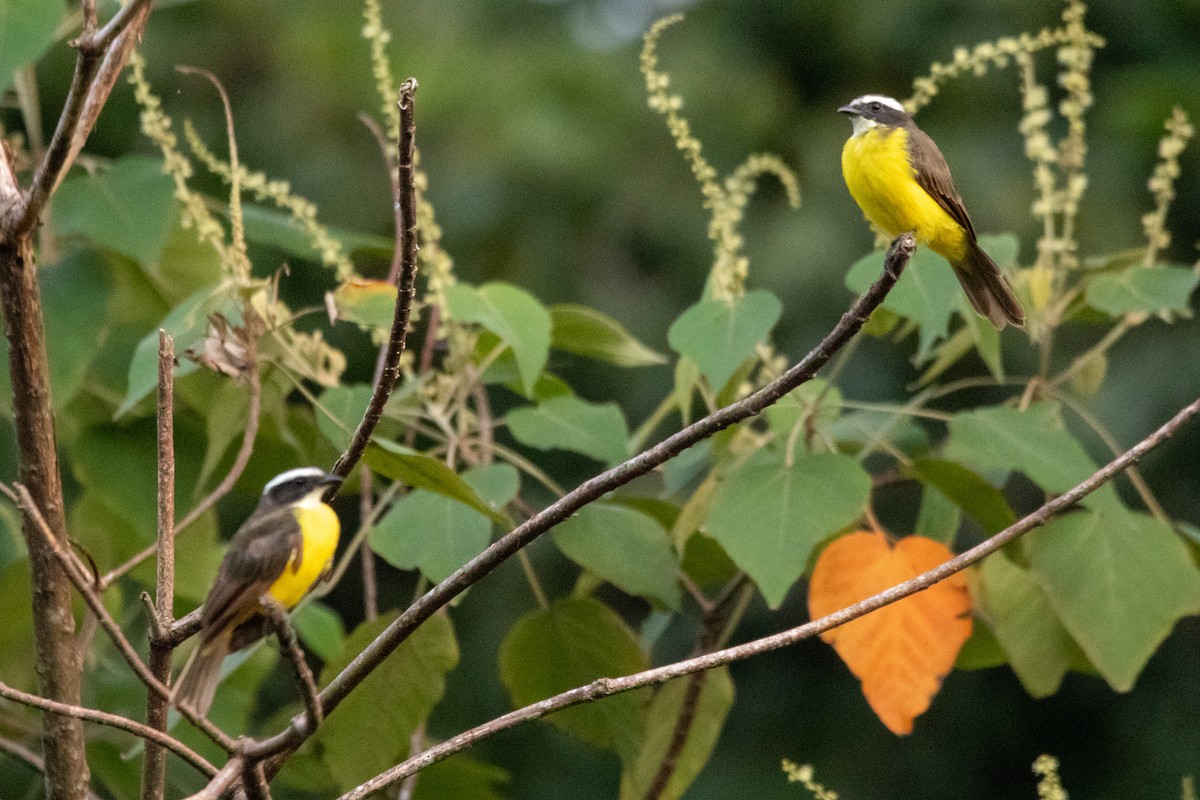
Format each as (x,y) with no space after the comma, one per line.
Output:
(186,264)
(1143,289)
(597,430)
(12,544)
(712,705)
(1016,609)
(705,562)
(320,628)
(572,643)
(75,331)
(366,303)
(372,727)
(986,337)
(624,547)
(271,226)
(27,29)
(128,208)
(16,634)
(224,423)
(461,777)
(1119,581)
(769,516)
(187,324)
(719,336)
(436,534)
(927,292)
(119,463)
(816,402)
(514,315)
(587,332)
(938,518)
(983,502)
(1033,441)
(420,471)
(345,406)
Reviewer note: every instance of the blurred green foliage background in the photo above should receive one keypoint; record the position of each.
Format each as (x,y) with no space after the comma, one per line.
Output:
(548,170)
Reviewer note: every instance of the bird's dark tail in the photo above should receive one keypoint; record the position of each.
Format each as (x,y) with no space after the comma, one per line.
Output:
(988,290)
(198,682)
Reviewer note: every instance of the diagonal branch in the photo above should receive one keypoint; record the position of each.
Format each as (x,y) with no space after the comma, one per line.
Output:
(606,687)
(102,56)
(406,243)
(896,260)
(113,721)
(70,566)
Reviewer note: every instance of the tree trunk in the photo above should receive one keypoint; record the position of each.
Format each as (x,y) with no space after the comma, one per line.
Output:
(57,657)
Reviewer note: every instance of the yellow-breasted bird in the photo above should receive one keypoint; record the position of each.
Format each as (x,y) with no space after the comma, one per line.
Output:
(281,550)
(901,182)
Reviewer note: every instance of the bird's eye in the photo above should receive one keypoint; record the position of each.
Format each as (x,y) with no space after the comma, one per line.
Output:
(876,106)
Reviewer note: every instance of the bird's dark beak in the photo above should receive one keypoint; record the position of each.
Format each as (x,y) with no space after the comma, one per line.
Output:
(848,110)
(332,480)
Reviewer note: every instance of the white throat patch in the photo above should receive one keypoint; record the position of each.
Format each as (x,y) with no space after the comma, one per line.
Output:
(860,125)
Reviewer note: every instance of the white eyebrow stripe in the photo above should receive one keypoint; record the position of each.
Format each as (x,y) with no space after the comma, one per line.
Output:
(891,102)
(298,472)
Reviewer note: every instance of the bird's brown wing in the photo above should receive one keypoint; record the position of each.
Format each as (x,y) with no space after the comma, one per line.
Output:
(257,555)
(933,175)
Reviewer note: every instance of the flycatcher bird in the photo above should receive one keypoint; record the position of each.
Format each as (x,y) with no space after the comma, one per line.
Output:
(280,551)
(901,182)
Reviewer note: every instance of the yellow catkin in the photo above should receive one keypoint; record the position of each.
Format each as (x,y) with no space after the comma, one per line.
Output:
(302,210)
(725,200)
(156,125)
(1049,785)
(803,775)
(1162,182)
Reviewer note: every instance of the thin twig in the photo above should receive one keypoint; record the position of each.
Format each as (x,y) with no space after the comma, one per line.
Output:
(253,414)
(896,260)
(406,235)
(366,554)
(715,617)
(113,721)
(102,56)
(96,604)
(606,687)
(416,743)
(255,782)
(221,780)
(295,656)
(154,761)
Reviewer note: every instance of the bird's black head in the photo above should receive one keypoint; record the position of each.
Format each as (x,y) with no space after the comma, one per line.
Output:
(295,485)
(875,109)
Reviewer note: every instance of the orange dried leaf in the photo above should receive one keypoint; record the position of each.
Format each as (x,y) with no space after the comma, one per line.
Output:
(900,652)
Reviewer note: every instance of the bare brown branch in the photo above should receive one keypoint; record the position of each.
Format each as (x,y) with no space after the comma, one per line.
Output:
(295,656)
(154,762)
(92,597)
(113,721)
(102,56)
(606,687)
(56,652)
(406,242)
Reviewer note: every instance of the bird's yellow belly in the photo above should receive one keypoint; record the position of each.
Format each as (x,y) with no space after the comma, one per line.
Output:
(880,178)
(321,530)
